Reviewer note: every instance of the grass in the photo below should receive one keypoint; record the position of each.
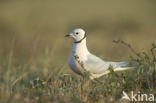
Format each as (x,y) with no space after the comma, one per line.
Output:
(33,50)
(38,82)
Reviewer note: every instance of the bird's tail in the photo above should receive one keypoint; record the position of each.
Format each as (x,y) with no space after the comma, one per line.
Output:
(93,76)
(123,68)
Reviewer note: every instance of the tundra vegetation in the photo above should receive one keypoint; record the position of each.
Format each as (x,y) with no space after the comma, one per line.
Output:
(34,52)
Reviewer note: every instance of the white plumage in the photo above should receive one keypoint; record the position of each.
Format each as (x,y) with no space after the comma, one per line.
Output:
(80,54)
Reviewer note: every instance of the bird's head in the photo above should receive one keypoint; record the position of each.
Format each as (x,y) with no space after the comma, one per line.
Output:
(77,34)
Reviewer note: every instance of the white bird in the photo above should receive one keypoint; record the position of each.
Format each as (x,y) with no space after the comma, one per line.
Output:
(82,60)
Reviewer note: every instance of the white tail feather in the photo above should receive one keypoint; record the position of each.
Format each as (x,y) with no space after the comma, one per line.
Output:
(123,68)
(93,75)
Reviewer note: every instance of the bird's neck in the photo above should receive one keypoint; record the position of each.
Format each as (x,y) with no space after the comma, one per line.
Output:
(80,49)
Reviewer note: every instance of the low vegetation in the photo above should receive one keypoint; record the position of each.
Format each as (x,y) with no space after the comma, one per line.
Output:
(35,87)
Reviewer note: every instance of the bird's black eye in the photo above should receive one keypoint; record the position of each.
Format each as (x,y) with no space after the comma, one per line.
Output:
(77,33)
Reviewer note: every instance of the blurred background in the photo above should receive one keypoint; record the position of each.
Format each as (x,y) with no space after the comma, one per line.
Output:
(33,30)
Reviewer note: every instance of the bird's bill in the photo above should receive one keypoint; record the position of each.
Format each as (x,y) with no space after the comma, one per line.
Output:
(68,35)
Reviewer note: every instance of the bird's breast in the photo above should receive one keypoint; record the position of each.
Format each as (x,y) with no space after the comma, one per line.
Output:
(75,65)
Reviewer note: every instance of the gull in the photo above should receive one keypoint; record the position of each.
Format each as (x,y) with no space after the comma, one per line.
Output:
(81,60)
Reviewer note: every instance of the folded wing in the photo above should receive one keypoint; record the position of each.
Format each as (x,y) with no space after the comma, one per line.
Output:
(96,65)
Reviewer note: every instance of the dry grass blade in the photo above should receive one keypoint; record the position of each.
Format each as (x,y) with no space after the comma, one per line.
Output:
(152,51)
(129,46)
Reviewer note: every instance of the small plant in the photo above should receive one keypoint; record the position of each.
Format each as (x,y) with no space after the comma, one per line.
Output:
(85,73)
(145,75)
(37,83)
